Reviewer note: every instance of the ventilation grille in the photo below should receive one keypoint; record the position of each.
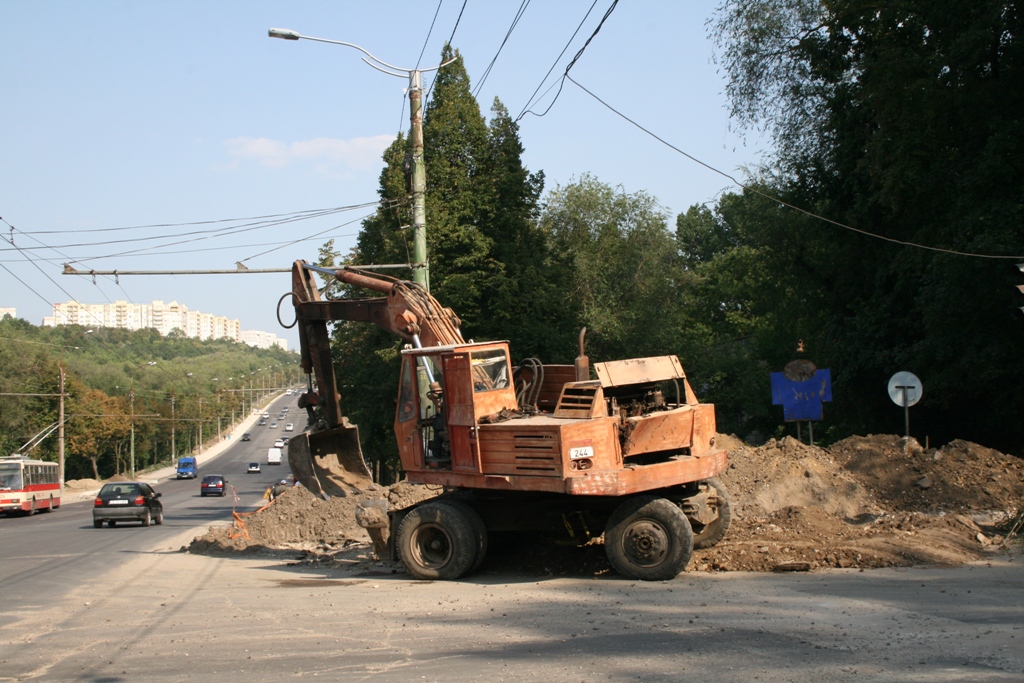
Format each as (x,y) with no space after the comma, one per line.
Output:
(536,454)
(576,401)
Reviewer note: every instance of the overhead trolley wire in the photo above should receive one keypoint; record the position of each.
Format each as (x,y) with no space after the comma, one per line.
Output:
(178,225)
(209,234)
(63,256)
(223,234)
(40,269)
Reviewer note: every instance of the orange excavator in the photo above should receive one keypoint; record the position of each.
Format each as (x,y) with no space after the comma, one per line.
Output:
(623,448)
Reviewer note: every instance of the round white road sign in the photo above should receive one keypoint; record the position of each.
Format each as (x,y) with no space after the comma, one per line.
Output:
(905,387)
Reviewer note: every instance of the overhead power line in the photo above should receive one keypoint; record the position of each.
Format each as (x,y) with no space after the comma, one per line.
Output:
(571,64)
(207,234)
(429,31)
(179,225)
(487,71)
(557,59)
(450,39)
(754,190)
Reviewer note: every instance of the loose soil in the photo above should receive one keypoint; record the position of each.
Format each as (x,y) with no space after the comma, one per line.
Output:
(866,501)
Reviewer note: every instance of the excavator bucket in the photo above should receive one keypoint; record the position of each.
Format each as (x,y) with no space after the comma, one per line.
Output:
(331,462)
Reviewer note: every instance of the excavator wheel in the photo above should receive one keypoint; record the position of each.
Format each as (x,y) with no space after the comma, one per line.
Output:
(708,535)
(478,526)
(649,539)
(437,541)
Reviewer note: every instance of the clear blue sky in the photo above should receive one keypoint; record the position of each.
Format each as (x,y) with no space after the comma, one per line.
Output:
(120,114)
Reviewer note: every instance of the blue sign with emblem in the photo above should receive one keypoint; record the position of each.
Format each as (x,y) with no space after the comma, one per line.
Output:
(801,400)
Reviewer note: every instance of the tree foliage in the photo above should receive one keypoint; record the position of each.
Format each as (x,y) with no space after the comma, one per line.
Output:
(103,369)
(901,118)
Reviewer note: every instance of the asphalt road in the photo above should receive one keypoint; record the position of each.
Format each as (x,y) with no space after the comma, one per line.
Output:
(112,605)
(172,616)
(44,556)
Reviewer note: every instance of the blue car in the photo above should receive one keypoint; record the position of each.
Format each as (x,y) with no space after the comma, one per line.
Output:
(213,485)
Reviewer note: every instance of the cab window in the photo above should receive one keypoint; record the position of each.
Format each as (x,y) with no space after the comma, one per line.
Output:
(490,370)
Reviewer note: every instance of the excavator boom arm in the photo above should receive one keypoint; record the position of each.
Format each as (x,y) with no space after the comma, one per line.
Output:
(329,460)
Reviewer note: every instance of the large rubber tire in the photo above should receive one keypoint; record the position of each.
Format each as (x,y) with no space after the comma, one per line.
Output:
(159,519)
(32,508)
(97,523)
(437,541)
(648,538)
(706,536)
(478,526)
(111,523)
(147,519)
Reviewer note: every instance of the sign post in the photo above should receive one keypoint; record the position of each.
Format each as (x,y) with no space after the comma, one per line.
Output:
(800,389)
(905,389)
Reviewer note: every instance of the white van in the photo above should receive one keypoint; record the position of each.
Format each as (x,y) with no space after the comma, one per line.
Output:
(274,456)
(289,427)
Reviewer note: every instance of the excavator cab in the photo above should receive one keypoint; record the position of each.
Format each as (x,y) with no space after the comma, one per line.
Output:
(443,392)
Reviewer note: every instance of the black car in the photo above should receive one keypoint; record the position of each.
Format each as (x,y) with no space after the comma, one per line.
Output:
(213,485)
(127,501)
(246,437)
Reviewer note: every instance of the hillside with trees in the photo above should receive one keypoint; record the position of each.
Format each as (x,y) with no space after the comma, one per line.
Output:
(179,390)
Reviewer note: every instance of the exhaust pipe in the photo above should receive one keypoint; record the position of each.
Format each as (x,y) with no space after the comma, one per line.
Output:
(582,362)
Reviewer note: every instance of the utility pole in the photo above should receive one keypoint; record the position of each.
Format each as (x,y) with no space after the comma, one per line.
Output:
(174,454)
(200,424)
(131,399)
(420,265)
(60,425)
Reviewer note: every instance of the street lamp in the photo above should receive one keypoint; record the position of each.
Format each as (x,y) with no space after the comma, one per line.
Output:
(420,266)
(131,397)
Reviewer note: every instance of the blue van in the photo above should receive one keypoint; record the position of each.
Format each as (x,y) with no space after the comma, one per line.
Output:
(187,468)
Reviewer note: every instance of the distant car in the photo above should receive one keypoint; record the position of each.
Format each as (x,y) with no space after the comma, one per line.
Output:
(273,425)
(188,468)
(266,414)
(289,427)
(279,443)
(247,437)
(254,468)
(127,501)
(214,485)
(285,409)
(262,422)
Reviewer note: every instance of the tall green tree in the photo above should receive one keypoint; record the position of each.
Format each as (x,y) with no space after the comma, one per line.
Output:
(901,118)
(488,259)
(627,285)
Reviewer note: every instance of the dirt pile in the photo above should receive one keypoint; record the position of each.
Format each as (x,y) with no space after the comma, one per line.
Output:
(863,502)
(298,519)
